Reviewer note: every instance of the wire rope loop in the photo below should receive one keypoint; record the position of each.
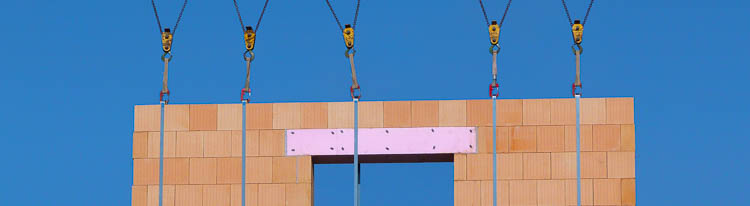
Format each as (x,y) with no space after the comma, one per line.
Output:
(494,89)
(243,97)
(167,56)
(249,55)
(349,52)
(579,50)
(494,48)
(355,92)
(577,89)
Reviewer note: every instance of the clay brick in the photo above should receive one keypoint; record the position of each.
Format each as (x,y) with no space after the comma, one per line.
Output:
(628,192)
(139,196)
(523,139)
(452,113)
(189,195)
(523,192)
(251,194)
(607,192)
(229,170)
(168,195)
(176,171)
(563,111)
(479,113)
(586,138)
(140,144)
(298,194)
(259,116)
(271,195)
(340,115)
(259,169)
(146,118)
(305,166)
(593,165)
(627,137)
(509,112)
(510,166)
(169,144)
(606,137)
(216,195)
(286,116)
(370,114)
(203,117)
(229,117)
(536,166)
(486,193)
(587,192)
(551,192)
(145,171)
(563,165)
(251,143)
(503,193)
(485,196)
(189,144)
(536,111)
(484,139)
(593,111)
(271,143)
(202,170)
(176,117)
(621,164)
(397,114)
(466,193)
(459,166)
(479,167)
(217,144)
(314,115)
(424,113)
(550,139)
(620,111)
(284,170)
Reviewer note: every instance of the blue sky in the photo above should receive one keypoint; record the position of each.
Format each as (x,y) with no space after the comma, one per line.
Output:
(72,71)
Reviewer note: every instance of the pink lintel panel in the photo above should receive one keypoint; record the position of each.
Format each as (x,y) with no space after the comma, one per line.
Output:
(423,140)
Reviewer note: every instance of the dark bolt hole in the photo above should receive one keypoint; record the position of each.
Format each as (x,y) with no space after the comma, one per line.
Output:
(471,130)
(470,146)
(386,148)
(331,148)
(433,147)
(342,148)
(332,132)
(292,150)
(341,131)
(433,130)
(386,131)
(292,132)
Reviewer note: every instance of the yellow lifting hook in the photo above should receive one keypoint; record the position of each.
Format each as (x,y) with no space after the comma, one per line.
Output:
(348,36)
(166,40)
(577,32)
(494,33)
(249,38)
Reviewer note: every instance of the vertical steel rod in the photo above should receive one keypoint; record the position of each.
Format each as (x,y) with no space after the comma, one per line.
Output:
(356,153)
(161,153)
(244,157)
(578,147)
(494,151)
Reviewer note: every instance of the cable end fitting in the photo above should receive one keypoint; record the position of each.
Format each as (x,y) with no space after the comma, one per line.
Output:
(494,89)
(355,92)
(242,96)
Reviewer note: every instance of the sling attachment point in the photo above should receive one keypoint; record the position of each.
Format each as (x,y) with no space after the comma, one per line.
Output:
(494,30)
(577,30)
(348,33)
(249,38)
(166,40)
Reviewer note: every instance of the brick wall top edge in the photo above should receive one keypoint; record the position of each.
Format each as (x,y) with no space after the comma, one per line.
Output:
(631,98)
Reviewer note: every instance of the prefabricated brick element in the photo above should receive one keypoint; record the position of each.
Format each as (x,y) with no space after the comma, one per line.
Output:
(259,169)
(168,195)
(550,139)
(523,139)
(607,191)
(176,117)
(259,116)
(536,112)
(523,192)
(479,167)
(139,196)
(627,137)
(370,114)
(298,194)
(397,114)
(452,113)
(251,195)
(229,170)
(509,112)
(536,166)
(621,164)
(305,169)
(189,195)
(593,165)
(563,111)
(176,171)
(479,113)
(484,139)
(147,118)
(203,117)
(189,144)
(271,143)
(284,170)
(550,192)
(145,171)
(217,144)
(459,166)
(586,138)
(620,110)
(466,193)
(216,195)
(593,111)
(587,192)
(628,192)
(140,144)
(606,137)
(286,116)
(510,166)
(563,165)
(251,143)
(424,113)
(202,170)
(314,115)
(229,117)
(340,115)
(272,194)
